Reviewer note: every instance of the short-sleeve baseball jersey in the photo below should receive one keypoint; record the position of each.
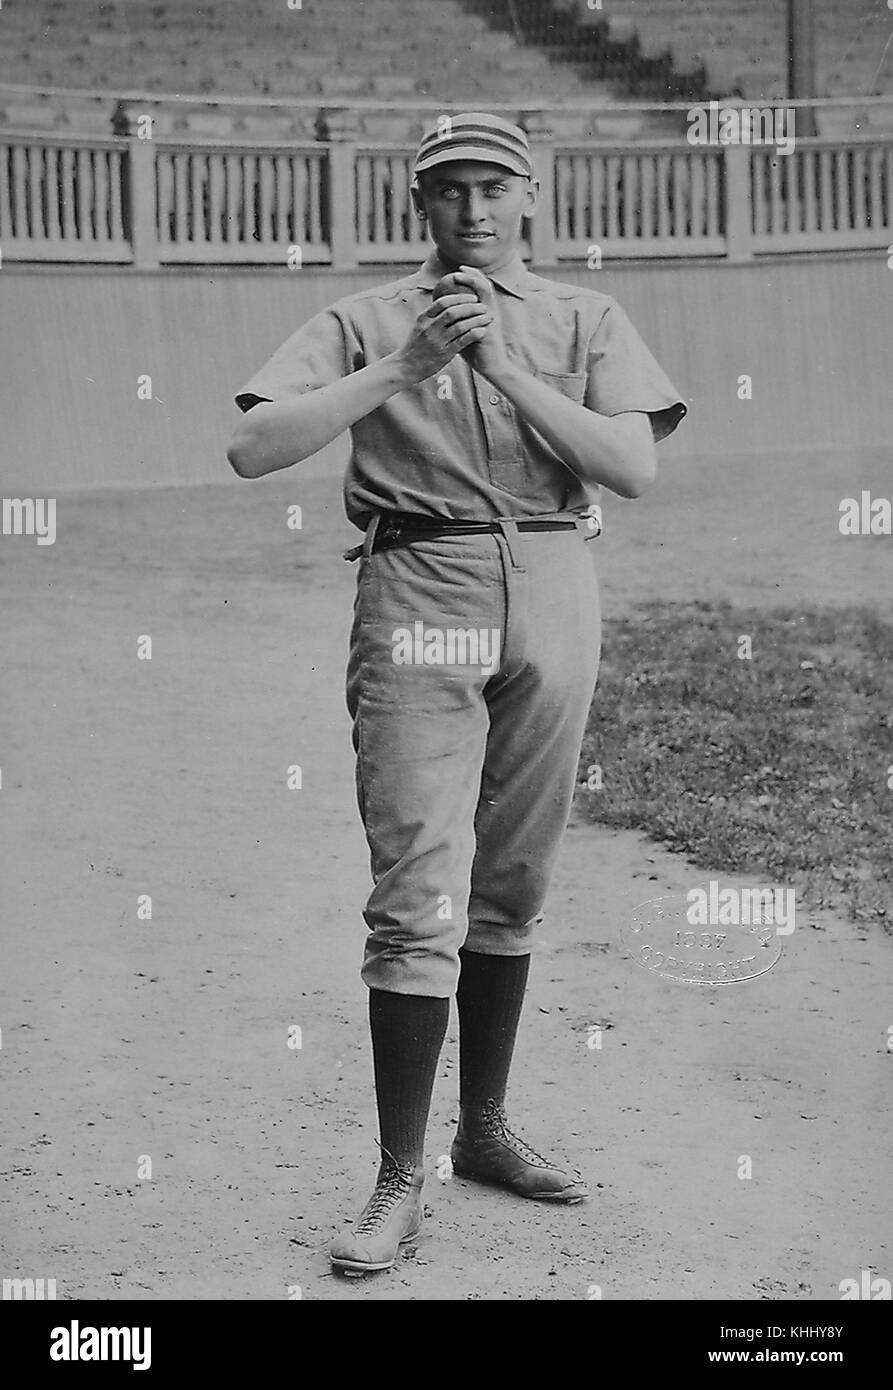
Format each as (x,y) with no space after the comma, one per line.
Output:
(453,446)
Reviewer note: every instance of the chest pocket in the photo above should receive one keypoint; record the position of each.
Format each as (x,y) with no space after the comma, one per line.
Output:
(571,384)
(535,474)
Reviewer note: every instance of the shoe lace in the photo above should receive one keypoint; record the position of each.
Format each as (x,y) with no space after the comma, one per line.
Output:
(390,1189)
(496,1123)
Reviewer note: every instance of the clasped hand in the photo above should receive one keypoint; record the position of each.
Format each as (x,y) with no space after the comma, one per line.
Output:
(460,319)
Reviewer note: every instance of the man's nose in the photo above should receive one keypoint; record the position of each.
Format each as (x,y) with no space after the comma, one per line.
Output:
(473,207)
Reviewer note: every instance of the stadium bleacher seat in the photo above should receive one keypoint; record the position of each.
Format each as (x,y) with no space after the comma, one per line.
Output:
(443,50)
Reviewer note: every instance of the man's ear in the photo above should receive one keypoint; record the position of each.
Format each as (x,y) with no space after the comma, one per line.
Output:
(531,197)
(415,193)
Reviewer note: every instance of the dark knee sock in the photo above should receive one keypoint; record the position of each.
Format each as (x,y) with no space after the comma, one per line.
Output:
(490,997)
(407,1035)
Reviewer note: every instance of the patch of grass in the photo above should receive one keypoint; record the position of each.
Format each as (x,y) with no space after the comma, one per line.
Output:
(775,766)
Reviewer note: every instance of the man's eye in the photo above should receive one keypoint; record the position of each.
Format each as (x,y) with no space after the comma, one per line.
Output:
(449,190)
(495,189)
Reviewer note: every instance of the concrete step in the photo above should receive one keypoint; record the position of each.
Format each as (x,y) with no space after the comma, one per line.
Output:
(21,115)
(343,84)
(393,85)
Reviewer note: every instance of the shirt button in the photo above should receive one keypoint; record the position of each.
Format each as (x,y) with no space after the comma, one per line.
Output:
(495,400)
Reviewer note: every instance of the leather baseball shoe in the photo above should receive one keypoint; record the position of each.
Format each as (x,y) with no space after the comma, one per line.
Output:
(392,1215)
(486,1150)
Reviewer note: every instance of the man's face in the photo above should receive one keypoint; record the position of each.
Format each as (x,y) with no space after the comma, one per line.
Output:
(475,210)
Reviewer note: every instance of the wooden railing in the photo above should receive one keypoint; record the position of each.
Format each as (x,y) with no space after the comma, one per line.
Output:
(665,200)
(227,204)
(342,202)
(61,199)
(826,195)
(387,227)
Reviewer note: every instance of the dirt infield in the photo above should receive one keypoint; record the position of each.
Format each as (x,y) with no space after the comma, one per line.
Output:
(169,1037)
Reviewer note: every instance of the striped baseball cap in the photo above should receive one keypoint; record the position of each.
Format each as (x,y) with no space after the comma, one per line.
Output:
(475,135)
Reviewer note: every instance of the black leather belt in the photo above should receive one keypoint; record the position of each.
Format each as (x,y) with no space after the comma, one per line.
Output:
(400,528)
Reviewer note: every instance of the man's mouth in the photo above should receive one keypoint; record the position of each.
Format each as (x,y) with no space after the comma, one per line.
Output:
(475,236)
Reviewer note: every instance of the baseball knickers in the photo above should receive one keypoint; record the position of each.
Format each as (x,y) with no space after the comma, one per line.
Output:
(473,661)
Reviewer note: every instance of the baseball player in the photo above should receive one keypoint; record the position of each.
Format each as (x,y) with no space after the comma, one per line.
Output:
(487,408)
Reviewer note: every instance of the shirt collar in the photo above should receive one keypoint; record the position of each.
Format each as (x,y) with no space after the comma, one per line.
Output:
(511,277)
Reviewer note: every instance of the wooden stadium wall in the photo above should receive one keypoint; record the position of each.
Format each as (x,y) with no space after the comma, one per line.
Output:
(815,336)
